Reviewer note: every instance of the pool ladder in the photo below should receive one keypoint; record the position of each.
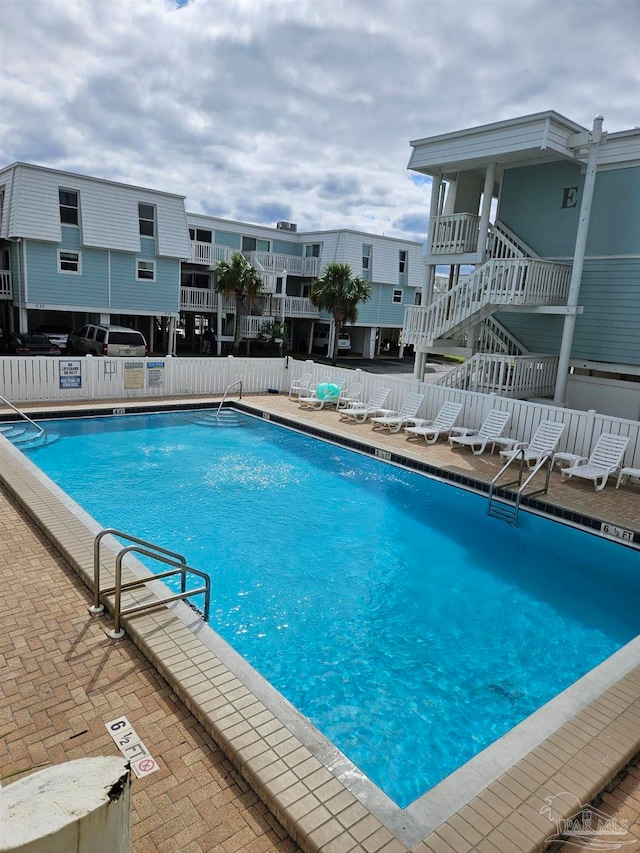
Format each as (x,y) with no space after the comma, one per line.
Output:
(147,549)
(499,507)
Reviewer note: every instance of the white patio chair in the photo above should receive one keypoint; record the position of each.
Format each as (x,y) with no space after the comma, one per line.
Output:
(360,412)
(325,394)
(605,459)
(300,386)
(406,414)
(492,428)
(543,443)
(440,425)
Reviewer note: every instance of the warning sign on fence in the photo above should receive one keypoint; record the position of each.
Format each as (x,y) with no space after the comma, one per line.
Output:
(70,374)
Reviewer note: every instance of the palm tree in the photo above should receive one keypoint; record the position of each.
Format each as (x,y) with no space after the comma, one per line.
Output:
(239,279)
(339,293)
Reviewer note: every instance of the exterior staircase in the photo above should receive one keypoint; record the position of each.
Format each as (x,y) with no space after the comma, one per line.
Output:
(511,276)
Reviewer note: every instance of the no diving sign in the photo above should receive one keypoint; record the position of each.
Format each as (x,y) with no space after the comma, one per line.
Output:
(130,745)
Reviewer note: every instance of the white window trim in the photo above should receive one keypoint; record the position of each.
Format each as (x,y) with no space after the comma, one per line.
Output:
(145,277)
(393,296)
(69,252)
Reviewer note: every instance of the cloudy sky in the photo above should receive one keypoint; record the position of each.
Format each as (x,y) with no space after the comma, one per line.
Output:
(302,110)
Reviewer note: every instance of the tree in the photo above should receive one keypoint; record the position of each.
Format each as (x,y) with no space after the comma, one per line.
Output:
(239,279)
(338,292)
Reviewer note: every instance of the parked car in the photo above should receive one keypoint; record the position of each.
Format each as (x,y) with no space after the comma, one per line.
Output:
(321,341)
(57,334)
(21,343)
(112,341)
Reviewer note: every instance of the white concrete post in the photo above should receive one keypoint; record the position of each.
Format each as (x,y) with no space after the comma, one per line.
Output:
(219,323)
(171,349)
(434,208)
(578,262)
(487,198)
(81,805)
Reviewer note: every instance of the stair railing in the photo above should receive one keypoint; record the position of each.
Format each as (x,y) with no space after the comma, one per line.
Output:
(226,391)
(40,430)
(510,513)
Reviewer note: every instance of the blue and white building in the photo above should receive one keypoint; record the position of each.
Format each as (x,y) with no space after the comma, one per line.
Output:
(77,249)
(547,212)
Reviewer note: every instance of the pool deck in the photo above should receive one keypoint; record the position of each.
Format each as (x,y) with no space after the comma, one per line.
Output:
(61,680)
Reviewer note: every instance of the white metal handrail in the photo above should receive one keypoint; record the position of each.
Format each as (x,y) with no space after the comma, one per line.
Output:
(226,391)
(40,430)
(454,233)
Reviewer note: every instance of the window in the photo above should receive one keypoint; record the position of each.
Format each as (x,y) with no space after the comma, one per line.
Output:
(146,271)
(69,262)
(68,207)
(252,244)
(397,296)
(366,262)
(201,235)
(147,220)
(417,297)
(312,250)
(402,266)
(190,278)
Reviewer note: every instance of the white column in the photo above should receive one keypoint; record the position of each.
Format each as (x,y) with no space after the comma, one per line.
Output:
(219,322)
(578,262)
(487,197)
(23,320)
(172,336)
(434,209)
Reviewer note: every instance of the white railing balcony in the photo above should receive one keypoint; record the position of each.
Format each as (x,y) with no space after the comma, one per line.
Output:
(454,234)
(300,306)
(199,299)
(515,281)
(276,263)
(251,326)
(208,254)
(6,290)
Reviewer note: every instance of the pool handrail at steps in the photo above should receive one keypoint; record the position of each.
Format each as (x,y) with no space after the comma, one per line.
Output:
(156,552)
(226,391)
(499,507)
(40,430)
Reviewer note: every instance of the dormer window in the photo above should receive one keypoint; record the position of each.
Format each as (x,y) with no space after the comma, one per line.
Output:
(68,207)
(147,220)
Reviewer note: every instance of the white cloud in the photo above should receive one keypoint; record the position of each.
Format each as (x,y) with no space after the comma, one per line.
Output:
(268,109)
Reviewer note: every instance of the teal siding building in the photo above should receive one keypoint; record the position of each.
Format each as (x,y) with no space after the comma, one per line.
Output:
(513,201)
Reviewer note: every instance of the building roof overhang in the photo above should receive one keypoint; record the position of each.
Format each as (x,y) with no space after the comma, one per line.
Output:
(526,140)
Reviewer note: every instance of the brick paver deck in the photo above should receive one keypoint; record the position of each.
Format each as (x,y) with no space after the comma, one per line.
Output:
(61,679)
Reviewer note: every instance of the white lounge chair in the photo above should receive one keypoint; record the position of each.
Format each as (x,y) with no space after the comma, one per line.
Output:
(492,428)
(300,386)
(325,394)
(360,412)
(350,395)
(544,443)
(440,425)
(605,459)
(406,414)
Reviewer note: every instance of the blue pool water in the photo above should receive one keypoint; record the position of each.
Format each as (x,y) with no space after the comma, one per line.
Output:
(410,628)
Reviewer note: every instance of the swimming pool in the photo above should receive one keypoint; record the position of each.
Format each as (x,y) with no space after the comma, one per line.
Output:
(408,626)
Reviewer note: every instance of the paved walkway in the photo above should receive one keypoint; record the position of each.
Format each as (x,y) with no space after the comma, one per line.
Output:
(61,679)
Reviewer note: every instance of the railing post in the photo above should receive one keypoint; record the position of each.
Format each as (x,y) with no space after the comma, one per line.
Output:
(117,632)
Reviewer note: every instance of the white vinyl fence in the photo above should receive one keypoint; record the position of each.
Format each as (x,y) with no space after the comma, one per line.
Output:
(582,428)
(27,379)
(24,379)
